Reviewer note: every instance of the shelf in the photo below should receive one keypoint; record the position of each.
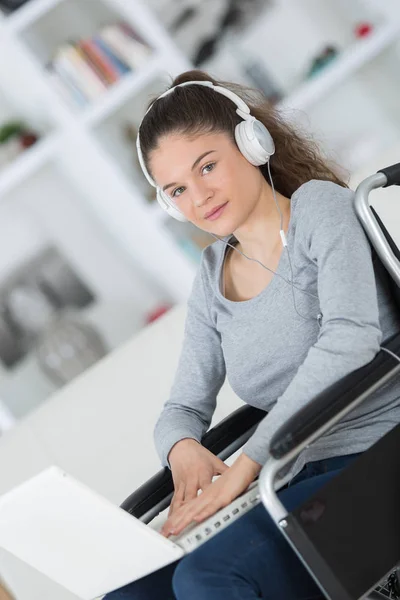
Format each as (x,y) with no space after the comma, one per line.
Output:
(28,13)
(58,21)
(358,55)
(129,85)
(30,161)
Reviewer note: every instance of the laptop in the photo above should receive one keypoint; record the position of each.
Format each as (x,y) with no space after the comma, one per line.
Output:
(86,543)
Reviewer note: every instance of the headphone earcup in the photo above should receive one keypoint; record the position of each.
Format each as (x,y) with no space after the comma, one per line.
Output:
(254,141)
(165,203)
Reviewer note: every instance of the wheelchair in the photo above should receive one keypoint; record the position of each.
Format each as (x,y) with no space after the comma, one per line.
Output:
(348,533)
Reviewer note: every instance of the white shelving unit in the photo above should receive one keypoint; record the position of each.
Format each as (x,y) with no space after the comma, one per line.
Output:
(28,163)
(19,27)
(121,92)
(350,105)
(28,14)
(346,65)
(142,265)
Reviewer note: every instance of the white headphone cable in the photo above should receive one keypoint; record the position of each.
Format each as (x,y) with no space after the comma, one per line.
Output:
(284,242)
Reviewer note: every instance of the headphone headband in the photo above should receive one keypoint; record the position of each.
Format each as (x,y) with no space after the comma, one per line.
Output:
(252,137)
(242,109)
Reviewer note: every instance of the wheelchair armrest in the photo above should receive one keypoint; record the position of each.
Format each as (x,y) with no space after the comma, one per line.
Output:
(222,440)
(329,403)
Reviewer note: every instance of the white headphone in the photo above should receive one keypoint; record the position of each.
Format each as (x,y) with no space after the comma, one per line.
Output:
(252,138)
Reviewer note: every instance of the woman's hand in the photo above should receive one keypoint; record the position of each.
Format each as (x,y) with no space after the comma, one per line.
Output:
(222,492)
(193,468)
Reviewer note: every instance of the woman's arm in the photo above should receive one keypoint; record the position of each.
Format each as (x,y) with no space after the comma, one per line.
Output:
(199,377)
(350,334)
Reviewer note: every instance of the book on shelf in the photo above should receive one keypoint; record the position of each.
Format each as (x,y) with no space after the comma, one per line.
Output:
(99,61)
(63,83)
(129,49)
(70,96)
(83,69)
(84,77)
(119,65)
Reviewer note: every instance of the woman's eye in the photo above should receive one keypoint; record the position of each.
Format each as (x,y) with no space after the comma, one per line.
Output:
(209,167)
(176,192)
(179,191)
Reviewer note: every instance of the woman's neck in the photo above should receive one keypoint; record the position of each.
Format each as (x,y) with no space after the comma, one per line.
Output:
(259,236)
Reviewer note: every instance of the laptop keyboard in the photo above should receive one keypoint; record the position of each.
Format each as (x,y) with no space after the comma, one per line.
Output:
(197,533)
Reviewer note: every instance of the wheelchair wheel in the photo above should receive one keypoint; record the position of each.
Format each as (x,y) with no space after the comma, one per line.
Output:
(390,587)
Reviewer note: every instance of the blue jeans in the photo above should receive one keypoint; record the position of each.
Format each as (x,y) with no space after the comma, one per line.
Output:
(250,559)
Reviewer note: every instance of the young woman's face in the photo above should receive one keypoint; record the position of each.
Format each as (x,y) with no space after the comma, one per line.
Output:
(203,173)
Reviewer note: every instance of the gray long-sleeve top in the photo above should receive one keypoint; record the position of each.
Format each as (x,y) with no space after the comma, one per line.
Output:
(274,359)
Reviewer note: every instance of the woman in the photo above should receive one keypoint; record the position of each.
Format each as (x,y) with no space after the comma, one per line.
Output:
(303,312)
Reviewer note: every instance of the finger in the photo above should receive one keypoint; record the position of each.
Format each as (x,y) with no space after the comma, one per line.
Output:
(180,519)
(191,491)
(179,492)
(197,510)
(185,493)
(177,498)
(174,507)
(169,527)
(208,511)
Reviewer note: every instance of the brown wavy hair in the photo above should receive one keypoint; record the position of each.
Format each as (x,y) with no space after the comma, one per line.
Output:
(195,109)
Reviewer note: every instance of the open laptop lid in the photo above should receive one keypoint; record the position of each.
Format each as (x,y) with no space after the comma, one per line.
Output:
(78,538)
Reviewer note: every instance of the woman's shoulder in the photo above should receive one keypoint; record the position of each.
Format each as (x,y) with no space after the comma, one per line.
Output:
(317,199)
(212,256)
(321,192)
(209,268)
